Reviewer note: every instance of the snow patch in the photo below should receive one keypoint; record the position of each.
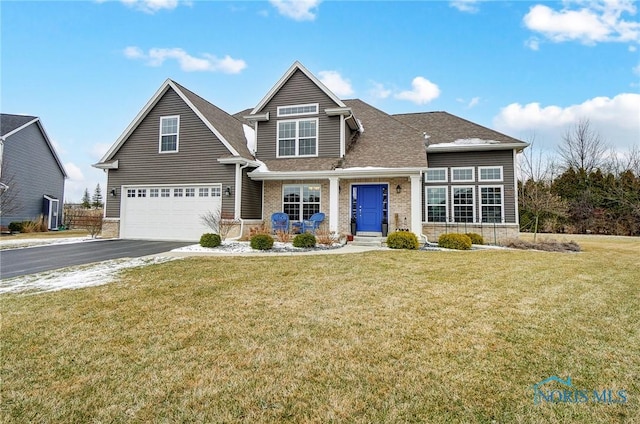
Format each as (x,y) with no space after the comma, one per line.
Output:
(250,136)
(245,247)
(5,243)
(465,142)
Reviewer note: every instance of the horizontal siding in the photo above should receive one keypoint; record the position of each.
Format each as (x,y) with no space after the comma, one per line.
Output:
(196,161)
(299,90)
(502,158)
(251,207)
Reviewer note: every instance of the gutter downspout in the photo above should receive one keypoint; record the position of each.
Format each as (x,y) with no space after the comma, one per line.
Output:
(238,198)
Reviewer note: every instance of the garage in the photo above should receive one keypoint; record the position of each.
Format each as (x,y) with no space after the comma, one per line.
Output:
(167,212)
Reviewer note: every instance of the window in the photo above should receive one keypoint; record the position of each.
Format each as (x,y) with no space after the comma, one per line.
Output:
(203,192)
(216,191)
(491,204)
(298,138)
(142,192)
(169,127)
(177,192)
(436,204)
(490,173)
(131,192)
(463,204)
(309,109)
(301,201)
(462,174)
(190,192)
(165,192)
(436,175)
(153,192)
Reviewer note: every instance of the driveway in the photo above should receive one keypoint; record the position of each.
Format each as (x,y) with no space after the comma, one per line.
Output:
(19,262)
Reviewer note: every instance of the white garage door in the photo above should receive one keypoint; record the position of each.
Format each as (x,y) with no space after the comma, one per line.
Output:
(167,213)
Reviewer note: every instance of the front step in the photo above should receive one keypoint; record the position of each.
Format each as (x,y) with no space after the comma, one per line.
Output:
(373,241)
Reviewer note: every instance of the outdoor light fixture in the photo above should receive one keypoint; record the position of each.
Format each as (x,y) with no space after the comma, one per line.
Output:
(398,189)
(113,192)
(227,191)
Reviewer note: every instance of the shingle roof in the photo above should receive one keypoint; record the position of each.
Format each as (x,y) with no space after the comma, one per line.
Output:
(9,122)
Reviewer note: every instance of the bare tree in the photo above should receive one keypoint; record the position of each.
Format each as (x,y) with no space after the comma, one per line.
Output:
(219,223)
(582,148)
(9,193)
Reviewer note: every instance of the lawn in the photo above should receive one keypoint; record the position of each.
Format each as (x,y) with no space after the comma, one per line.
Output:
(386,336)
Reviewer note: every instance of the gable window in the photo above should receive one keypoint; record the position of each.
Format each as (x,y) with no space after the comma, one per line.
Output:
(169,129)
(436,175)
(491,204)
(490,173)
(462,174)
(308,109)
(301,201)
(298,138)
(463,204)
(436,204)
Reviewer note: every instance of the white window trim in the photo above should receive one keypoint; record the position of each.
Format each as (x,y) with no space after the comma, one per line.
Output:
(480,168)
(297,138)
(435,181)
(453,204)
(454,180)
(501,187)
(427,204)
(162,118)
(301,186)
(279,113)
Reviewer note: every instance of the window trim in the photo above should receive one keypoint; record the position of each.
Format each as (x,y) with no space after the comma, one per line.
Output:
(297,138)
(301,203)
(177,134)
(501,187)
(427,204)
(279,113)
(454,180)
(453,204)
(500,167)
(427,180)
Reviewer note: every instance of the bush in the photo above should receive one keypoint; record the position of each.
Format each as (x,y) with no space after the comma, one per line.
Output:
(476,238)
(262,242)
(210,240)
(15,226)
(402,240)
(304,240)
(455,241)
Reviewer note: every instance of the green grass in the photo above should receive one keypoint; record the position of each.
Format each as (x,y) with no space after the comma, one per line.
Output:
(389,336)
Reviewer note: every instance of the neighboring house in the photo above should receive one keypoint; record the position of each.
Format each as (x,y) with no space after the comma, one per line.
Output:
(31,172)
(303,150)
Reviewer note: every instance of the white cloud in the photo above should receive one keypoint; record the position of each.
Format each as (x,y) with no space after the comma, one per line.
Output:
(588,22)
(335,82)
(153,6)
(468,6)
(636,69)
(378,91)
(98,150)
(533,43)
(632,49)
(473,102)
(298,10)
(422,92)
(73,172)
(188,63)
(616,119)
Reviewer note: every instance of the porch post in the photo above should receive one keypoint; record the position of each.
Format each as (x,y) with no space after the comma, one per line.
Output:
(334,211)
(416,204)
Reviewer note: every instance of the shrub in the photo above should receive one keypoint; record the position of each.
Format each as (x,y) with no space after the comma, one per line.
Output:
(262,242)
(476,238)
(455,241)
(284,236)
(402,240)
(326,237)
(15,226)
(304,240)
(210,240)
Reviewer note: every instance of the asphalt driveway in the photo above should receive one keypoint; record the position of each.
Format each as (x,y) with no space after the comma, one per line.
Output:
(19,262)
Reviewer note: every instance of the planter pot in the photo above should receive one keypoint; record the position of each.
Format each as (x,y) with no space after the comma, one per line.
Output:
(385,230)
(349,237)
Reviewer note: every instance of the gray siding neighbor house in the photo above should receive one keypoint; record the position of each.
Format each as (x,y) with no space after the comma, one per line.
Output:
(303,150)
(31,173)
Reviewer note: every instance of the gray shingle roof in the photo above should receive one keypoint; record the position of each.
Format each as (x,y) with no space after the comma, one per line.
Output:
(9,122)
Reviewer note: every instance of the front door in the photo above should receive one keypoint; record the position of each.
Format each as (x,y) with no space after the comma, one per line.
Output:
(368,207)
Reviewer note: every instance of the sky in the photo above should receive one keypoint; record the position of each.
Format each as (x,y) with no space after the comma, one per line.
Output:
(529,69)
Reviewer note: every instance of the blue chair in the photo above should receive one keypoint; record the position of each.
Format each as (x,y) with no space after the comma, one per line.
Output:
(313,223)
(280,222)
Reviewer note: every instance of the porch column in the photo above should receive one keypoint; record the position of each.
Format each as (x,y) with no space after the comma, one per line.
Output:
(416,204)
(334,201)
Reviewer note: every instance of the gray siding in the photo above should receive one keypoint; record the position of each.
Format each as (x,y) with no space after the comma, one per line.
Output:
(502,158)
(251,207)
(195,162)
(299,90)
(30,169)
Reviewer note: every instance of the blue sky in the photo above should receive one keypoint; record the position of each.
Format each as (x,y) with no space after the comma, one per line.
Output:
(525,68)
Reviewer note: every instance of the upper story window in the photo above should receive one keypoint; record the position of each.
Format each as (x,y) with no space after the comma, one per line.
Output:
(169,128)
(297,138)
(489,173)
(462,174)
(436,175)
(308,109)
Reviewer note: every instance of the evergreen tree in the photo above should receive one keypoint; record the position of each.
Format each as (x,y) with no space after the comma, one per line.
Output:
(96,201)
(86,199)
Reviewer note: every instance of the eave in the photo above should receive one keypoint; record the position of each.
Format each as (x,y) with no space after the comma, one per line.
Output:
(446,147)
(106,165)
(238,160)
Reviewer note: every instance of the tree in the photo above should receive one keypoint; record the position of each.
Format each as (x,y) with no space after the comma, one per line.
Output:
(582,148)
(96,200)
(9,193)
(219,222)
(86,199)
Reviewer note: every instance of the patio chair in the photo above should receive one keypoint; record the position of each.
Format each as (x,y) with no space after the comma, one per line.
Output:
(313,223)
(280,222)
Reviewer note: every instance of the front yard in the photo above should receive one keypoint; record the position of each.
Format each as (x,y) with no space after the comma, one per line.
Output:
(389,336)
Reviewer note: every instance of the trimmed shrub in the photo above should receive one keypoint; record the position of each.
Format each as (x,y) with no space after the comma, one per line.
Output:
(402,240)
(476,238)
(262,242)
(15,226)
(210,240)
(455,241)
(304,240)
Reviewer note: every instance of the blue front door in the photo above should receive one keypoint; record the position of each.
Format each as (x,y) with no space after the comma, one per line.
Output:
(368,204)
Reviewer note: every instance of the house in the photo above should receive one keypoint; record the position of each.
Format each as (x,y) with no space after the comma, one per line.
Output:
(31,173)
(303,150)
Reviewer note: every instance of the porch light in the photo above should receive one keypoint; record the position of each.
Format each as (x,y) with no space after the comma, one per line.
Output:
(227,191)
(398,189)
(113,192)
